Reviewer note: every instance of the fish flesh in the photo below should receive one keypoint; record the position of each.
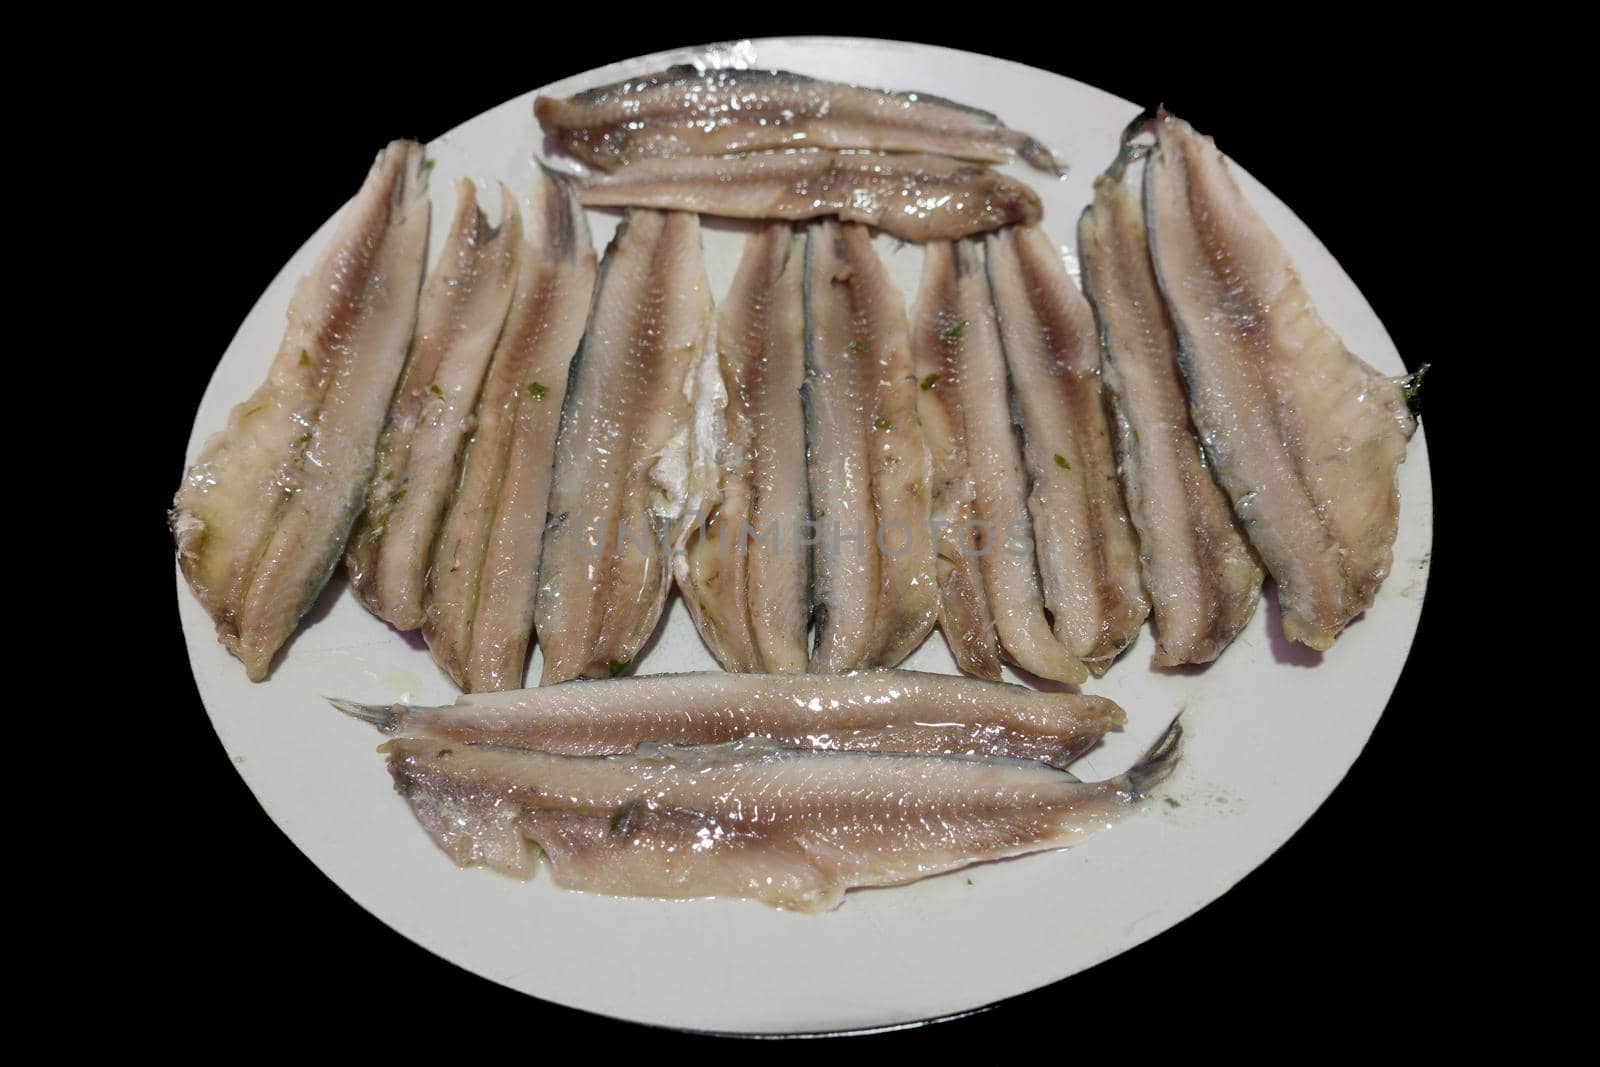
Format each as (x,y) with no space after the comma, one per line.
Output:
(744,573)
(1305,438)
(635,465)
(913,197)
(685,111)
(1087,550)
(1202,577)
(485,572)
(863,711)
(262,516)
(978,474)
(793,828)
(463,308)
(874,579)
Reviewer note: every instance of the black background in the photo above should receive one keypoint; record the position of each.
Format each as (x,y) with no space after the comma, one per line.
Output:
(251,146)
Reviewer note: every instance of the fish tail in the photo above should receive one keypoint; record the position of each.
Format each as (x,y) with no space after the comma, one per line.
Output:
(380,715)
(1040,157)
(1154,766)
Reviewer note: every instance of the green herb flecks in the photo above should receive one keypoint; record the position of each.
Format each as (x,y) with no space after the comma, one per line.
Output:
(538,390)
(880,423)
(1061,461)
(929,382)
(956,331)
(856,346)
(305,358)
(614,667)
(436,391)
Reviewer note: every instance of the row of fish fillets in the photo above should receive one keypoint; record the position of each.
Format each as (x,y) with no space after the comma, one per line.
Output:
(789,790)
(1034,470)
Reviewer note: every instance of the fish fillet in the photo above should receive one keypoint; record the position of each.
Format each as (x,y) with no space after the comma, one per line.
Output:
(1304,437)
(877,711)
(1087,551)
(262,517)
(966,413)
(874,576)
(1202,577)
(683,111)
(744,574)
(462,310)
(485,573)
(913,197)
(792,828)
(635,465)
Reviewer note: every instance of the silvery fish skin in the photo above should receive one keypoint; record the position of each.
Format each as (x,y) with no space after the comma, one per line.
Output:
(262,517)
(966,413)
(635,466)
(463,308)
(1303,436)
(1087,550)
(1204,581)
(790,827)
(485,573)
(863,711)
(745,574)
(913,197)
(874,577)
(684,111)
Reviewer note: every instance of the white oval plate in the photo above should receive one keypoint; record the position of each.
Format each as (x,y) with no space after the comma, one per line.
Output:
(1270,729)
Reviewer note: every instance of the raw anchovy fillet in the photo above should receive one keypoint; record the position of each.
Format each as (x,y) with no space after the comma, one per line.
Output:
(463,307)
(1087,551)
(916,198)
(790,827)
(877,711)
(1304,437)
(744,575)
(961,372)
(683,111)
(874,577)
(262,517)
(635,462)
(1203,579)
(485,573)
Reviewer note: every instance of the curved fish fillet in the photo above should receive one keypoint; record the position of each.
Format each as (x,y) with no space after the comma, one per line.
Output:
(485,572)
(876,711)
(961,372)
(262,517)
(683,111)
(913,197)
(1304,437)
(792,828)
(1088,553)
(1203,579)
(635,462)
(873,559)
(744,574)
(459,318)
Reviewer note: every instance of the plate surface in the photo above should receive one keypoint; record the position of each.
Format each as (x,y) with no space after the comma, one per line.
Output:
(1271,727)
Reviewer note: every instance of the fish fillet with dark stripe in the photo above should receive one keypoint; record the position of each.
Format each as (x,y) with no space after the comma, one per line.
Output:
(1203,579)
(1087,551)
(635,464)
(262,516)
(913,197)
(1304,437)
(744,574)
(874,577)
(793,828)
(685,111)
(485,573)
(864,711)
(987,566)
(463,307)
